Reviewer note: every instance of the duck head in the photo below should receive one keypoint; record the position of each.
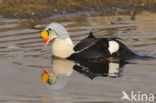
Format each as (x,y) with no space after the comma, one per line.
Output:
(54,30)
(48,35)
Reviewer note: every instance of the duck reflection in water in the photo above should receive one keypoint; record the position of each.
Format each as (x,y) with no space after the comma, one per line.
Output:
(63,68)
(58,76)
(104,68)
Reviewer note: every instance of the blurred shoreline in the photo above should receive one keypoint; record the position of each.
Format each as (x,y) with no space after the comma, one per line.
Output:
(31,9)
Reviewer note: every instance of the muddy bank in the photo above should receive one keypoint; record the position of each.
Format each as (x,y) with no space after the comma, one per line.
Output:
(39,9)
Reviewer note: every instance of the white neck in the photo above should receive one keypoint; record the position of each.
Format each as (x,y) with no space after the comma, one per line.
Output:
(69,40)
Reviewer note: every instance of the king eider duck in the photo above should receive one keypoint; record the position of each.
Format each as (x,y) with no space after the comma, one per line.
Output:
(90,48)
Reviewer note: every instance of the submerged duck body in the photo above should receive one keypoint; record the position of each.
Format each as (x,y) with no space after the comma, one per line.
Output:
(89,48)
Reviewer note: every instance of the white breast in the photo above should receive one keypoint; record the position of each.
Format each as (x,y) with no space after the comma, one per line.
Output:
(62,48)
(113,47)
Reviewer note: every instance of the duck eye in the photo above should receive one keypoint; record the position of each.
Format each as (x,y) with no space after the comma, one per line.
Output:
(48,32)
(49,29)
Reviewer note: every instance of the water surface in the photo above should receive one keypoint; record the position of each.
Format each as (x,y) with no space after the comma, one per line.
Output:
(22,59)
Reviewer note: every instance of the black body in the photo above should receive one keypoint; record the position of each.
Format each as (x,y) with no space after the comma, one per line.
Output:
(92,48)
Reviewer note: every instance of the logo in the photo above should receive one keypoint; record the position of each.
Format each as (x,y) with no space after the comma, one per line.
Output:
(137,97)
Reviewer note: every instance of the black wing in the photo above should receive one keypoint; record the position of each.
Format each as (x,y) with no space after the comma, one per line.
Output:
(86,42)
(98,49)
